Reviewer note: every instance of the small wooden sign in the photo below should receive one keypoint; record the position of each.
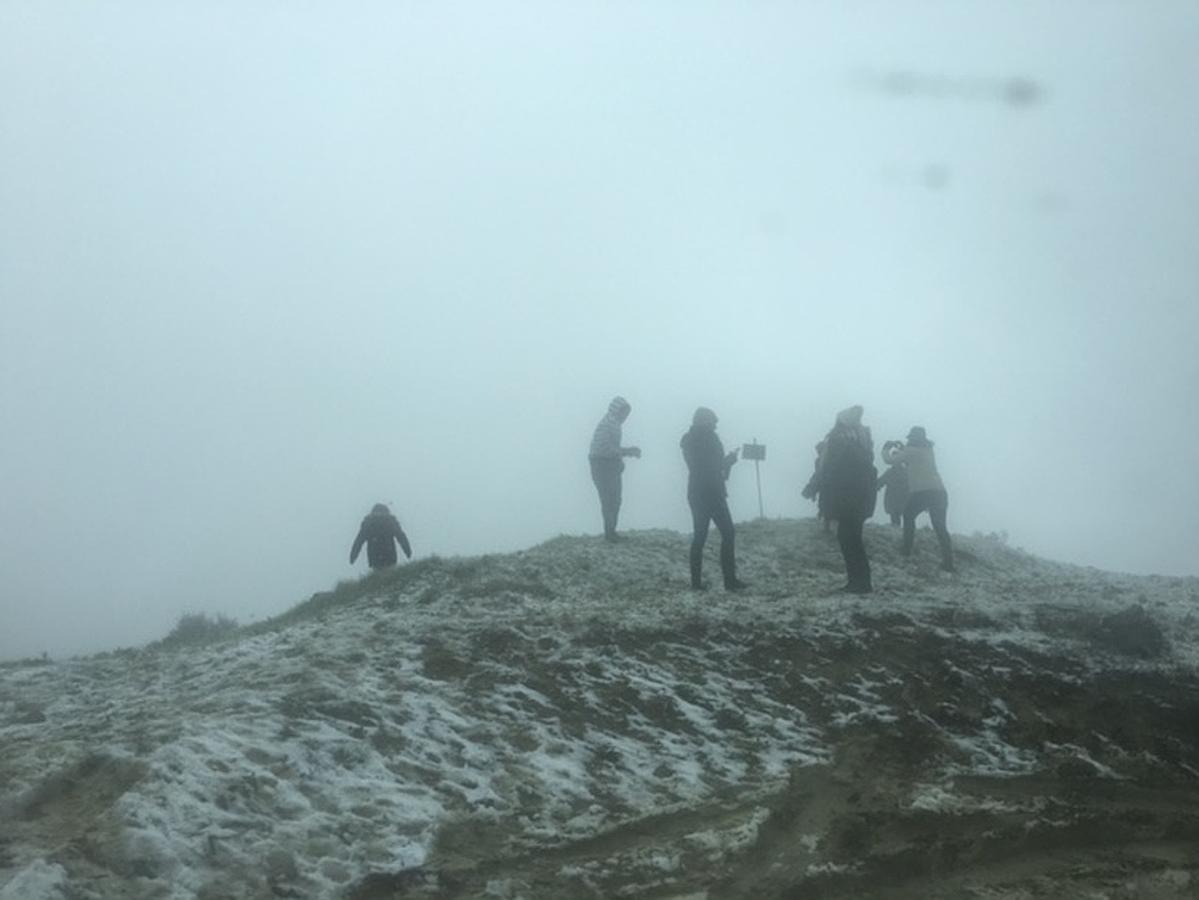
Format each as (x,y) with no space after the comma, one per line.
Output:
(754,451)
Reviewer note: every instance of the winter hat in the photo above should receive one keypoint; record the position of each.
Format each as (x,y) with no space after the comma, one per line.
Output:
(380,509)
(917,435)
(703,418)
(850,416)
(618,405)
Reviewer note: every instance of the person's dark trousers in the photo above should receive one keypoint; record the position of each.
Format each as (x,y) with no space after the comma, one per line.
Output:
(705,510)
(937,504)
(606,475)
(853,548)
(896,518)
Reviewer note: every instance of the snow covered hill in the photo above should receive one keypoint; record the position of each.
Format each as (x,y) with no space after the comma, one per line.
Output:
(571,721)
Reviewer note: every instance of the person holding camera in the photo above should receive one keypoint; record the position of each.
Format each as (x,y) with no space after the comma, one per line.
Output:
(847,483)
(607,463)
(708,469)
(926,491)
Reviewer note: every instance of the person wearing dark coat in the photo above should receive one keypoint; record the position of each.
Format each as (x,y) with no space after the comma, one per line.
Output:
(707,470)
(380,531)
(847,481)
(895,480)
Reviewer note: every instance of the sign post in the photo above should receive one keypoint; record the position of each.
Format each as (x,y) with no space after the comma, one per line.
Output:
(756,452)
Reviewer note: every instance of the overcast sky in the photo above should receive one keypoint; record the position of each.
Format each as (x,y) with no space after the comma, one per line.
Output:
(265,264)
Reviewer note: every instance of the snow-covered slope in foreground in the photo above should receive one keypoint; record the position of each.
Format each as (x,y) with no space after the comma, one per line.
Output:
(571,721)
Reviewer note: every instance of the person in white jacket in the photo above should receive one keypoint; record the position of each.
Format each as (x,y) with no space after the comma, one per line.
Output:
(926,491)
(607,458)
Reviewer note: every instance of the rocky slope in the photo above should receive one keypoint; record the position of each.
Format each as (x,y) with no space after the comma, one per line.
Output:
(571,721)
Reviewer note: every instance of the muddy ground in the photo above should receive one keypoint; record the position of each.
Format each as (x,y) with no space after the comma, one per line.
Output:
(572,722)
(1109,810)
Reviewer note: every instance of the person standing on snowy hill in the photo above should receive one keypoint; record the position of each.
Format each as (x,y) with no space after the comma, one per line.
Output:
(379,531)
(708,468)
(926,491)
(607,462)
(895,480)
(847,482)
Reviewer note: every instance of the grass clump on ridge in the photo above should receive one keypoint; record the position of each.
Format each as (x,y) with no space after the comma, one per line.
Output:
(198,628)
(386,581)
(25,662)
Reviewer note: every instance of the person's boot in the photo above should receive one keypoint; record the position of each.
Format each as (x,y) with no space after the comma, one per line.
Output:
(948,566)
(735,584)
(852,588)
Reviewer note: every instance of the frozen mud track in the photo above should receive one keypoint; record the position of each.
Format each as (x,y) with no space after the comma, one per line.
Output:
(1082,783)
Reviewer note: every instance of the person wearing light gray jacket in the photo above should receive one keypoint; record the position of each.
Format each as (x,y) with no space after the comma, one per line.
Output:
(895,480)
(607,462)
(926,491)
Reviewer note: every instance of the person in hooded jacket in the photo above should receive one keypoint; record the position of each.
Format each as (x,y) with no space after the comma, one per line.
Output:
(895,480)
(607,462)
(847,482)
(926,491)
(707,471)
(380,531)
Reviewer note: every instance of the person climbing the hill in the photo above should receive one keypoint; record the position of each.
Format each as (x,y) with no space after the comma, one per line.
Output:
(847,480)
(707,470)
(895,480)
(379,531)
(607,462)
(926,491)
(812,490)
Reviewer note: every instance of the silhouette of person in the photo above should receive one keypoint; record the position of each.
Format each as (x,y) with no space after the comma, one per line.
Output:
(379,531)
(926,491)
(847,482)
(895,480)
(707,470)
(607,462)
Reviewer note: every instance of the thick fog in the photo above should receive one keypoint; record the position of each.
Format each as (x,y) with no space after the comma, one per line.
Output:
(264,265)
